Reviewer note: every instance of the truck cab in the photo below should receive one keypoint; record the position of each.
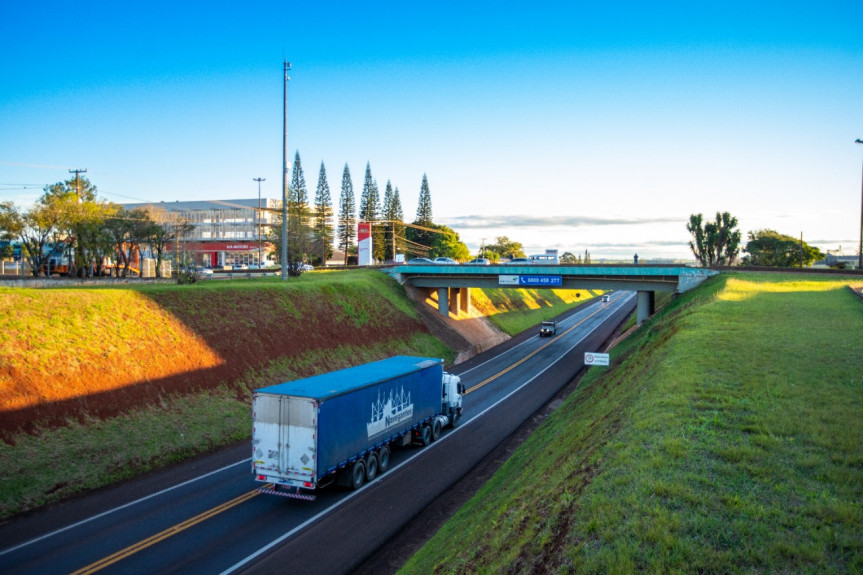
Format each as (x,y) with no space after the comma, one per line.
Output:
(452,390)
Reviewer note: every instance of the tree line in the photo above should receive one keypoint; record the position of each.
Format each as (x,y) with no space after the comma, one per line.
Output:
(94,237)
(717,243)
(314,230)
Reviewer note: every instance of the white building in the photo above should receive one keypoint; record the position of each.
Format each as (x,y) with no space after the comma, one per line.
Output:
(227,232)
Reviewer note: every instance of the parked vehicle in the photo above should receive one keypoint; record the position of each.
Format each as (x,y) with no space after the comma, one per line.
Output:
(547,328)
(518,262)
(420,261)
(479,262)
(445,261)
(548,258)
(339,427)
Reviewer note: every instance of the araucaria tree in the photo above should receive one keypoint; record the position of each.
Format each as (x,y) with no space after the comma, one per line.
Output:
(299,228)
(714,243)
(395,229)
(347,227)
(424,206)
(323,219)
(422,239)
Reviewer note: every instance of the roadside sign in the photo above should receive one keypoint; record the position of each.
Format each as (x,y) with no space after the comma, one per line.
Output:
(592,358)
(530,281)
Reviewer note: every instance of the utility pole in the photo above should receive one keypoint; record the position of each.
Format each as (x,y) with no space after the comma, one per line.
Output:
(260,245)
(78,181)
(285,176)
(801,250)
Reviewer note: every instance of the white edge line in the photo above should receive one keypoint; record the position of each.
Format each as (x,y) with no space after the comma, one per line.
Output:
(302,525)
(110,511)
(331,508)
(525,342)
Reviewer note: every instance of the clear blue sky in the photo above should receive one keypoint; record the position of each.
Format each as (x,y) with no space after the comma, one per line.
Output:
(576,125)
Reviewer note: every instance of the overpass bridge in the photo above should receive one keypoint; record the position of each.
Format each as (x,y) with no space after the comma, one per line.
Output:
(453,282)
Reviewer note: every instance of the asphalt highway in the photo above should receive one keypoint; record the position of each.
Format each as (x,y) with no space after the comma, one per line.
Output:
(206,516)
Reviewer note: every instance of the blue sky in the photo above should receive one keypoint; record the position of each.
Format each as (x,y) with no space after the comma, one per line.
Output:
(575,125)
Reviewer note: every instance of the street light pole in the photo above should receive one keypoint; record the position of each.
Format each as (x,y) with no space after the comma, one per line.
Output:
(260,246)
(285,176)
(860,245)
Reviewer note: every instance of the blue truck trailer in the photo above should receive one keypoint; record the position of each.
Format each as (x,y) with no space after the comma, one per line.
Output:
(340,427)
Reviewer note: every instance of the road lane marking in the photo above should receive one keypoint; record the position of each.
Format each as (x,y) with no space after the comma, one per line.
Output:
(446,437)
(131,503)
(531,354)
(169,532)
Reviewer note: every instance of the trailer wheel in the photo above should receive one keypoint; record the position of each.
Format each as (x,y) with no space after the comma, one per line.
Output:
(371,466)
(358,474)
(426,435)
(435,430)
(383,458)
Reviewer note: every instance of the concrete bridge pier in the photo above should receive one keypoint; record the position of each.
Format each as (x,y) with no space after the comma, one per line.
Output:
(464,299)
(453,300)
(646,303)
(443,301)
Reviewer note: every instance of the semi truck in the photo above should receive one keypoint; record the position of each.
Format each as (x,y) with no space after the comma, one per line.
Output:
(340,427)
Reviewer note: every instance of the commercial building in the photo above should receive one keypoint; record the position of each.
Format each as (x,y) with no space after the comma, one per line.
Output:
(226,232)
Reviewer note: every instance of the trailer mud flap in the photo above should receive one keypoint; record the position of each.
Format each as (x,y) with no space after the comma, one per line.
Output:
(290,494)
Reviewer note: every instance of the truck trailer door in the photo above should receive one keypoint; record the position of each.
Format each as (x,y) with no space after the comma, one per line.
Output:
(284,439)
(299,447)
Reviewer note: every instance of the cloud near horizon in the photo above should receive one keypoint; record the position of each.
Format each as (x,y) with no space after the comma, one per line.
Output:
(487,222)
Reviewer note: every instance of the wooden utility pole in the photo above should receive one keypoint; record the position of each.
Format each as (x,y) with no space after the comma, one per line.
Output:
(78,181)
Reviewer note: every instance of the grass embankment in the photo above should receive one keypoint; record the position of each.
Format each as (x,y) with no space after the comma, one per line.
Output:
(125,380)
(727,437)
(214,341)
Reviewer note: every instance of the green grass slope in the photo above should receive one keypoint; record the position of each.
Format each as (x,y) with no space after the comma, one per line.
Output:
(727,437)
(108,382)
(113,382)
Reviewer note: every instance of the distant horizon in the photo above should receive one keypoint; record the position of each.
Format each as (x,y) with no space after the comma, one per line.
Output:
(565,125)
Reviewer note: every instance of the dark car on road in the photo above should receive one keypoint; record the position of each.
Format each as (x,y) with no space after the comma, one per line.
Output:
(547,328)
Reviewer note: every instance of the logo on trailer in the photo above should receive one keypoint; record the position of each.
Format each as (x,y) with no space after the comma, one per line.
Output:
(386,414)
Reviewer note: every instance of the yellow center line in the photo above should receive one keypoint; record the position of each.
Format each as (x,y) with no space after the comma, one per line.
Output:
(530,355)
(141,545)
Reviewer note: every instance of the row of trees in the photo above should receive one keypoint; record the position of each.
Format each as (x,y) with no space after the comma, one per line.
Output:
(717,243)
(312,231)
(93,236)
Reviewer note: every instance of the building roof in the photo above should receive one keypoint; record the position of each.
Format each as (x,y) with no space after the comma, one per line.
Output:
(178,206)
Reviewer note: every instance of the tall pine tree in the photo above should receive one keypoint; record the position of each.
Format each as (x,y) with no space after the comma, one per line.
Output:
(424,207)
(347,228)
(299,214)
(395,229)
(323,218)
(422,238)
(369,202)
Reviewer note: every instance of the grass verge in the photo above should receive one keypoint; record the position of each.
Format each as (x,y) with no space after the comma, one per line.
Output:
(726,438)
(515,310)
(54,464)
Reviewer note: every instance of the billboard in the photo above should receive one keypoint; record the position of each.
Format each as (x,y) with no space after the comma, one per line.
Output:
(364,243)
